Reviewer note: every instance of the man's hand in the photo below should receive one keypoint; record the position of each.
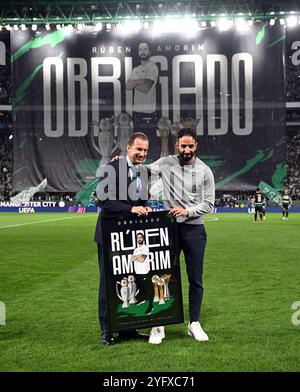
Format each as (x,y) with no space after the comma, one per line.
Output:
(115,158)
(140,210)
(178,211)
(138,258)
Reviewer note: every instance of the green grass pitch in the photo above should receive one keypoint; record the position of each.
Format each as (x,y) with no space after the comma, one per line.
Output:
(49,284)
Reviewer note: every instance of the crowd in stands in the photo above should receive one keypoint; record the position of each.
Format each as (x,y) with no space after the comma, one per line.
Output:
(6,167)
(5,98)
(293,164)
(293,80)
(292,72)
(5,81)
(233,199)
(5,121)
(223,199)
(55,196)
(293,116)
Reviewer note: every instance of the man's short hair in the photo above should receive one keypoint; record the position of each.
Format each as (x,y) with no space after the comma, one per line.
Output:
(145,42)
(137,135)
(141,235)
(187,132)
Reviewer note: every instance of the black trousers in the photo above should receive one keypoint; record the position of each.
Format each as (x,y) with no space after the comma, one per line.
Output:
(102,306)
(285,210)
(192,241)
(258,210)
(145,288)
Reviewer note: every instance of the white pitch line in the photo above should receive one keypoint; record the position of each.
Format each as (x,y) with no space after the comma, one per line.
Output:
(210,220)
(44,221)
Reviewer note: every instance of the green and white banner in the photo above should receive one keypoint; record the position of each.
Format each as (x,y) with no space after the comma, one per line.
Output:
(270,192)
(79,94)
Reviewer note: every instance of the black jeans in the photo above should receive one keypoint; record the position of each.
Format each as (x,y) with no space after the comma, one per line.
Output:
(102,306)
(192,241)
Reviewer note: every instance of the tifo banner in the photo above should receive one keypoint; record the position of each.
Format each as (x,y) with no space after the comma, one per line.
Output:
(79,95)
(143,285)
(270,192)
(5,82)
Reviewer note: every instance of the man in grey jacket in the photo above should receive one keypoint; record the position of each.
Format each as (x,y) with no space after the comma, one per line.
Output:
(189,193)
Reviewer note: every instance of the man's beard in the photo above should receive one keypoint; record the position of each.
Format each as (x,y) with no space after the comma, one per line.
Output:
(184,158)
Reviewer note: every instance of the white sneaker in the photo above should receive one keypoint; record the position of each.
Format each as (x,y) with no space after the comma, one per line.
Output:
(195,330)
(157,335)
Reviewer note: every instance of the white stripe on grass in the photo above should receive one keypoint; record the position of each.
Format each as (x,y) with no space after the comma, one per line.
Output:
(58,219)
(43,221)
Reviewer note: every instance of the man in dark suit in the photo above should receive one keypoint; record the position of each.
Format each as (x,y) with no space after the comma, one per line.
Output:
(121,190)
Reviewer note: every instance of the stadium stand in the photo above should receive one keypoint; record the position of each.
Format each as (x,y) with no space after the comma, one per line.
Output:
(223,199)
(6,167)
(293,164)
(5,81)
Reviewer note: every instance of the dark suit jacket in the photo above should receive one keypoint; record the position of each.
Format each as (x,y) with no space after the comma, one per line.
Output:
(113,188)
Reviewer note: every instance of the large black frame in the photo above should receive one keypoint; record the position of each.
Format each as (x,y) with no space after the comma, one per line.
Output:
(118,239)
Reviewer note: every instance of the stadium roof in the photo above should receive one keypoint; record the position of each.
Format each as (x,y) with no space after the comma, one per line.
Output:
(110,11)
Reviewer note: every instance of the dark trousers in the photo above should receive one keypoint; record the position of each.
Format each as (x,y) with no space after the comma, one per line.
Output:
(145,288)
(102,306)
(285,211)
(192,241)
(258,210)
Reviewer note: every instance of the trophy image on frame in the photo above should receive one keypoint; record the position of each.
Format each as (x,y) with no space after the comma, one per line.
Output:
(155,288)
(161,288)
(124,293)
(133,290)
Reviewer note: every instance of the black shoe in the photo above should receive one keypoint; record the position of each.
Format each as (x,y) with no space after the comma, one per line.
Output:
(107,338)
(149,310)
(132,334)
